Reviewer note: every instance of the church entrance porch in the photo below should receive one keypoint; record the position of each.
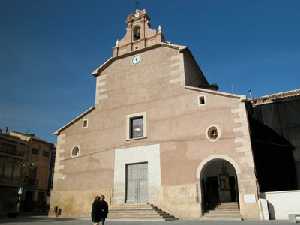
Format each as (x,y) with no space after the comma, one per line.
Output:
(218,184)
(137,183)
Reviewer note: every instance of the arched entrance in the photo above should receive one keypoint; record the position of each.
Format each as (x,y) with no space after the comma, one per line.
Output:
(218,182)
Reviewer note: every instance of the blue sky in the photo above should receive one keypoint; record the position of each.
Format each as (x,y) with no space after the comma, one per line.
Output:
(48,49)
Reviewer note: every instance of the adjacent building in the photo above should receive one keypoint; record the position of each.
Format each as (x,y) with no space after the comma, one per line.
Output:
(25,172)
(275,126)
(275,132)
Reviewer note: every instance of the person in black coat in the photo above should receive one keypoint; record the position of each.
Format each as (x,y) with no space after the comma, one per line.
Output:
(96,211)
(99,210)
(103,206)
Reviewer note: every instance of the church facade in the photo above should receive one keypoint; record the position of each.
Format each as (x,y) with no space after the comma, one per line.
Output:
(158,133)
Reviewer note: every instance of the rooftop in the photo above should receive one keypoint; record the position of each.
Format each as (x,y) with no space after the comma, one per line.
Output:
(266,99)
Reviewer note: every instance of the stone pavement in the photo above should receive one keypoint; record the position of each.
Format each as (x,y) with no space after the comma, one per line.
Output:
(43,220)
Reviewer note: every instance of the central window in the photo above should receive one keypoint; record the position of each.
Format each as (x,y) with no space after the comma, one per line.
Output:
(136,127)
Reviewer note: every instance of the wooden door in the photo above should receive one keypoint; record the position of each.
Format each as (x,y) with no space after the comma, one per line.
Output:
(137,183)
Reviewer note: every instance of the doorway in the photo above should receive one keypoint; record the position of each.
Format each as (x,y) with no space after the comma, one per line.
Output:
(218,184)
(137,182)
(28,202)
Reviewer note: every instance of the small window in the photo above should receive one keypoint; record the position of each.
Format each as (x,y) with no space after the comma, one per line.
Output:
(85,123)
(35,151)
(213,133)
(202,100)
(136,33)
(75,152)
(136,127)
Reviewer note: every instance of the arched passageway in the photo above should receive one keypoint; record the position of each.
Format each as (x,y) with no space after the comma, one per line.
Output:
(218,184)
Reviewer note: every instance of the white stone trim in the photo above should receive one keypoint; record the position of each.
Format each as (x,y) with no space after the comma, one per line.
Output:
(148,153)
(203,164)
(128,117)
(215,156)
(219,133)
(102,96)
(58,164)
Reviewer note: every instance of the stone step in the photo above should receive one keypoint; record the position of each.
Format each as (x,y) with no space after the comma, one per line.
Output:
(136,219)
(223,213)
(117,215)
(127,205)
(130,210)
(221,218)
(229,208)
(223,207)
(139,217)
(229,204)
(139,212)
(226,210)
(134,213)
(134,216)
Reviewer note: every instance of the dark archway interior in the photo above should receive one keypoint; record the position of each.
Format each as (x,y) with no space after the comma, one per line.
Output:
(218,184)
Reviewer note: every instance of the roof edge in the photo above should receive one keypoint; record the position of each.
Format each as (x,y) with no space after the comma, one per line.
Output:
(265,99)
(95,73)
(225,94)
(74,120)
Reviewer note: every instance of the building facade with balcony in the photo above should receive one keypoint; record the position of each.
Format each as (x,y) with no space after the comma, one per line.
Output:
(25,172)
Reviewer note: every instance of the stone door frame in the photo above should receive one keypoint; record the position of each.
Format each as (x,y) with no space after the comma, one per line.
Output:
(138,154)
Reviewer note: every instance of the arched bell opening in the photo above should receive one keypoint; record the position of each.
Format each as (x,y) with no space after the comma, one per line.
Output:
(136,33)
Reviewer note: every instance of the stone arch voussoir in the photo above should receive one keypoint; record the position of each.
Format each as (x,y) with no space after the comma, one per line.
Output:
(212,157)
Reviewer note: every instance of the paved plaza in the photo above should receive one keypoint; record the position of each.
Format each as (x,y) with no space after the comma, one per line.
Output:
(43,220)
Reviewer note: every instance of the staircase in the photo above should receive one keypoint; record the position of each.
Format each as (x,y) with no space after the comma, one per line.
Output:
(138,212)
(224,211)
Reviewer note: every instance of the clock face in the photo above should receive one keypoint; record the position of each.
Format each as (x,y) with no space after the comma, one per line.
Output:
(136,59)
